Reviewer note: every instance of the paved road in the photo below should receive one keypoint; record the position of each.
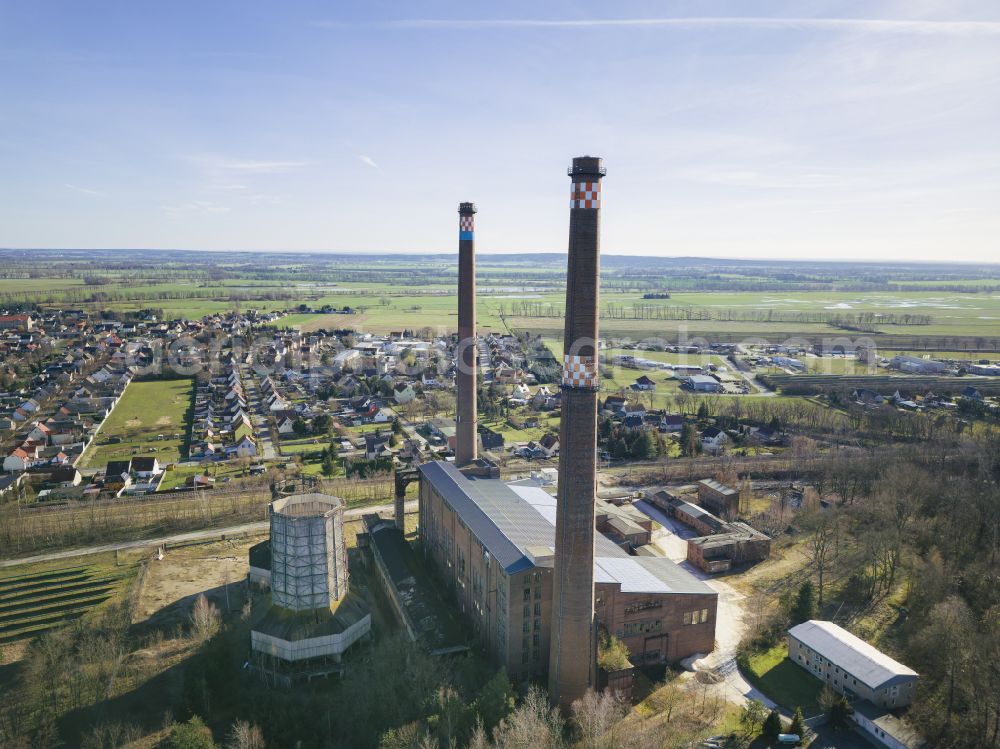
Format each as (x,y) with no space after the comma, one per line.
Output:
(258,415)
(209,533)
(729,622)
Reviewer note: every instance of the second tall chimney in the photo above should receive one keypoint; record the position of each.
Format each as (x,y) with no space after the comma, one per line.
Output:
(573,641)
(466,434)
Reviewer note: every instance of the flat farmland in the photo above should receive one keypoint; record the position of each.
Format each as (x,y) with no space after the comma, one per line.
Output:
(777,317)
(146,411)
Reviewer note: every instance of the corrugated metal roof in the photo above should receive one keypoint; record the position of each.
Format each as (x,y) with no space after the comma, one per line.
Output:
(496,515)
(509,520)
(864,662)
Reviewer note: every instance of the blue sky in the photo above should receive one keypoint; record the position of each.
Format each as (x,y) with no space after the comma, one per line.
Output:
(803,129)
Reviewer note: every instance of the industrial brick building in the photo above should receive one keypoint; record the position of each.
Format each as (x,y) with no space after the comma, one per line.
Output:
(738,544)
(493,544)
(723,500)
(723,544)
(624,524)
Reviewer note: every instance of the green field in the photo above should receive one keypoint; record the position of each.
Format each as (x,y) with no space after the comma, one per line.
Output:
(146,411)
(885,384)
(903,305)
(295,445)
(617,379)
(38,598)
(784,682)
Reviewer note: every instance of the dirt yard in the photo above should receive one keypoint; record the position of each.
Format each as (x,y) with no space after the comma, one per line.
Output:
(173,583)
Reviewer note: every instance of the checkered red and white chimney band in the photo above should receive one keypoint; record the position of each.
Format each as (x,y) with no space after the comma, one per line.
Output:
(466,227)
(585,195)
(579,371)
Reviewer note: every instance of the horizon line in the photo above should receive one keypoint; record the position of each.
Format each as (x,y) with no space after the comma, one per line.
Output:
(445,253)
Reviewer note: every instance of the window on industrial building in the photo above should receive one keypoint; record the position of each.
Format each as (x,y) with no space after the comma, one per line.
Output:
(527,611)
(526,626)
(527,579)
(525,656)
(538,593)
(704,615)
(538,609)
(635,628)
(688,617)
(538,624)
(527,594)
(535,640)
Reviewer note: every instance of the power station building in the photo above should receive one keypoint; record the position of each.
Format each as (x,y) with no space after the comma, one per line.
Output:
(529,570)
(494,545)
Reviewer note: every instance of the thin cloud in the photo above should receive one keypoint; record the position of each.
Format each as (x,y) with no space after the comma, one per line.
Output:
(867,25)
(217,165)
(85,190)
(261,167)
(369,161)
(195,207)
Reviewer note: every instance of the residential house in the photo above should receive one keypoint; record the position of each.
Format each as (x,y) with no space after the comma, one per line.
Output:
(403,392)
(548,445)
(20,459)
(868,397)
(671,423)
(242,429)
(286,424)
(146,468)
(117,475)
(66,476)
(23,322)
(382,416)
(644,384)
(614,405)
(244,448)
(713,439)
(10,485)
(633,423)
(377,446)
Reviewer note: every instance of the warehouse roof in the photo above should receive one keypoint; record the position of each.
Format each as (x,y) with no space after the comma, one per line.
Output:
(864,662)
(515,523)
(717,486)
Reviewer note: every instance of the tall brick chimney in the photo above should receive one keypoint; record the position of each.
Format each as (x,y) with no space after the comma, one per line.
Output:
(573,644)
(466,435)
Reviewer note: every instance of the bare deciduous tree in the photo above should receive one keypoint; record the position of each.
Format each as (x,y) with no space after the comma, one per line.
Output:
(205,618)
(594,717)
(245,735)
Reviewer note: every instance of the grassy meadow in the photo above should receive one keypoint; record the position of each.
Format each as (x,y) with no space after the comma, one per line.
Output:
(146,411)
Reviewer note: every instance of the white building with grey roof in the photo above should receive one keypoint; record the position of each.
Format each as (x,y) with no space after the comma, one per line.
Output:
(850,666)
